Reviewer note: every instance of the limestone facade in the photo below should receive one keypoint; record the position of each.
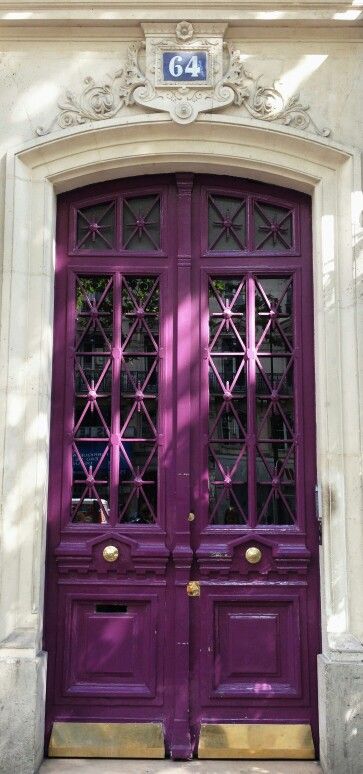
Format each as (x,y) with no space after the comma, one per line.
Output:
(48,50)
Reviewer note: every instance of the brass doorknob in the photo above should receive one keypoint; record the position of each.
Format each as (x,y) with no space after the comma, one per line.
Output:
(191,516)
(110,553)
(193,589)
(253,555)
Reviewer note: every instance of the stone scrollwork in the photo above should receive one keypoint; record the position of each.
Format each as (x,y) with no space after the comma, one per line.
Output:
(142,81)
(97,101)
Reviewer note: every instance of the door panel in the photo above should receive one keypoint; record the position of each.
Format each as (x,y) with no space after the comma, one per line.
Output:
(182,408)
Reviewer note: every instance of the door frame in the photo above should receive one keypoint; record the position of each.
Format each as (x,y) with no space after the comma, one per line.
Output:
(35,174)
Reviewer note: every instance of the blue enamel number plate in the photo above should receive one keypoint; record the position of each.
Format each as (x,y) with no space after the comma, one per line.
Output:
(185,66)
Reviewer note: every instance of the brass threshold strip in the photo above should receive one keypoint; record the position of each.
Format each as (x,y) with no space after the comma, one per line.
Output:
(107,740)
(256,741)
(216,741)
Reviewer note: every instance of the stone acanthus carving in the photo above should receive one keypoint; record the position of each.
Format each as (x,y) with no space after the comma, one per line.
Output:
(142,81)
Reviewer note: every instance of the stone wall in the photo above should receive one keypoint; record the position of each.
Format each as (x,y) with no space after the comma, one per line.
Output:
(42,57)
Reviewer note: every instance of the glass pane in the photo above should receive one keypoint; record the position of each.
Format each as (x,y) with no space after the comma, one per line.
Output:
(275,475)
(92,399)
(139,400)
(227,419)
(141,223)
(275,373)
(274,418)
(227,375)
(138,483)
(96,227)
(227,484)
(226,223)
(91,473)
(272,227)
(227,401)
(94,313)
(274,322)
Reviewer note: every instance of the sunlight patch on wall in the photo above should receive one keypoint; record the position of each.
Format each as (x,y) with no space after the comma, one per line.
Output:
(347,15)
(292,79)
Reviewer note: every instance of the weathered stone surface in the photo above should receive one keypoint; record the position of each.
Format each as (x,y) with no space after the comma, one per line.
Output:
(341,716)
(22,693)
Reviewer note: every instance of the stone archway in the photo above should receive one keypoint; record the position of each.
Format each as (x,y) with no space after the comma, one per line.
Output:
(71,159)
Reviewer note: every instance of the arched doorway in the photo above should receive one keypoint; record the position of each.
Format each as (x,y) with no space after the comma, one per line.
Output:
(182,552)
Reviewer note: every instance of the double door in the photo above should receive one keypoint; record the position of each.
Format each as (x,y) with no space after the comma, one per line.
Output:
(182,604)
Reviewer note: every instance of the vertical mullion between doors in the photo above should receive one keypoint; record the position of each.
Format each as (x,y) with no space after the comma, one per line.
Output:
(251,401)
(116,390)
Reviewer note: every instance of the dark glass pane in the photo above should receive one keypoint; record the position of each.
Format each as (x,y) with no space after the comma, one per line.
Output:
(274,418)
(96,227)
(94,314)
(92,399)
(232,371)
(140,314)
(274,328)
(227,418)
(275,475)
(138,483)
(141,223)
(227,315)
(139,373)
(272,227)
(93,372)
(226,223)
(275,373)
(139,400)
(95,416)
(91,472)
(138,419)
(227,483)
(230,506)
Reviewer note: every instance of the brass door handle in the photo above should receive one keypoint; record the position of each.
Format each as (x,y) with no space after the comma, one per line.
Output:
(110,553)
(253,555)
(193,589)
(191,516)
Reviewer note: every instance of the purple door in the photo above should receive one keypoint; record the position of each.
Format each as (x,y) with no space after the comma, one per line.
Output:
(182,584)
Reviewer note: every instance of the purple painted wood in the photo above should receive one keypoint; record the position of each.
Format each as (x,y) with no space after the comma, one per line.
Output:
(221,272)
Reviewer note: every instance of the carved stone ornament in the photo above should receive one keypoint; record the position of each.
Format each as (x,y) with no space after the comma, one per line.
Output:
(183,70)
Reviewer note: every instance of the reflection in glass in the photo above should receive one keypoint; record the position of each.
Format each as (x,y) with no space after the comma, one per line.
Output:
(226,223)
(90,490)
(227,401)
(139,400)
(92,399)
(96,227)
(272,227)
(141,223)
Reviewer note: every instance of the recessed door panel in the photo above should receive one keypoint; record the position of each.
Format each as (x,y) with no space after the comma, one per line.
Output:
(182,585)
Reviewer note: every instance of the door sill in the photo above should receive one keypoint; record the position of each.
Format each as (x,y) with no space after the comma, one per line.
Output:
(256,741)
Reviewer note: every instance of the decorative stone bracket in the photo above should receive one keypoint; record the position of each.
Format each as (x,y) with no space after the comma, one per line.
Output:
(183,70)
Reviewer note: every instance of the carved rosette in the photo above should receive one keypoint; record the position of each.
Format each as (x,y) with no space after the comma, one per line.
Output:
(225,82)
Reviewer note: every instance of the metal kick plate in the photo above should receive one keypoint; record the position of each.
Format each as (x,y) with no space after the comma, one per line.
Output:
(107,740)
(254,740)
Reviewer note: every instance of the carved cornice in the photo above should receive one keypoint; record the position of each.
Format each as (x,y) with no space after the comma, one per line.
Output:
(107,13)
(141,81)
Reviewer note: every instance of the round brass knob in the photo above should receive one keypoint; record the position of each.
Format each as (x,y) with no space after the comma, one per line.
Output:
(253,555)
(110,553)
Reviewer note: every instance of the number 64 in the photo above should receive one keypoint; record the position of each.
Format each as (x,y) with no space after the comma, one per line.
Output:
(176,67)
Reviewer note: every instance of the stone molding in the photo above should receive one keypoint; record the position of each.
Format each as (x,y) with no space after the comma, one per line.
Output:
(26,12)
(141,81)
